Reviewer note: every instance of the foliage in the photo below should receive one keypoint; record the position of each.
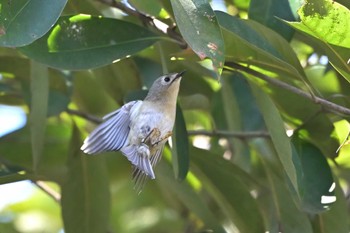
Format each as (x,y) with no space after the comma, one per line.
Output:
(256,71)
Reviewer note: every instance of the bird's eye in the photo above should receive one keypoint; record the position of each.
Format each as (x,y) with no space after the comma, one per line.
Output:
(166,79)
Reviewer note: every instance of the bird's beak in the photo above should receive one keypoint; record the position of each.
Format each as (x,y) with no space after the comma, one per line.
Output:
(178,75)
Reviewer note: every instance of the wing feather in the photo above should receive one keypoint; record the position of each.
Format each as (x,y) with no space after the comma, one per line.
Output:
(112,134)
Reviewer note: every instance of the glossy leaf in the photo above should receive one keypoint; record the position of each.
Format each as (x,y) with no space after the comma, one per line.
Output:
(278,134)
(38,109)
(251,117)
(85,191)
(199,27)
(316,187)
(180,149)
(249,42)
(21,22)
(278,206)
(232,194)
(266,13)
(189,197)
(85,42)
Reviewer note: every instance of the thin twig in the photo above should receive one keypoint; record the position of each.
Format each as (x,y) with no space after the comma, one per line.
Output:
(226,134)
(149,20)
(84,115)
(48,190)
(216,133)
(317,100)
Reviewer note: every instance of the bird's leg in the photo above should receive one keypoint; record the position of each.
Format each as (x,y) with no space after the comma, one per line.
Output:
(164,138)
(152,136)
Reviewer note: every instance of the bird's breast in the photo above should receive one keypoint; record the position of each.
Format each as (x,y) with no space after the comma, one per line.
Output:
(149,118)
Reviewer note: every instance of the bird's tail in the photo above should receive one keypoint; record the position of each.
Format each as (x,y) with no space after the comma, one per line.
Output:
(138,155)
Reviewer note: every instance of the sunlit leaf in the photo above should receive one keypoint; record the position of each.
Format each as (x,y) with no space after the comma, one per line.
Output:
(84,42)
(249,42)
(199,27)
(323,19)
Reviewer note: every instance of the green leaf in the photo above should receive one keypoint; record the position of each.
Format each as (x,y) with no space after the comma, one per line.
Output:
(278,134)
(189,197)
(250,115)
(278,205)
(338,56)
(85,42)
(232,118)
(85,191)
(336,219)
(199,27)
(266,13)
(317,177)
(38,109)
(90,95)
(322,23)
(119,78)
(180,149)
(229,187)
(11,173)
(151,7)
(16,149)
(324,19)
(21,22)
(249,42)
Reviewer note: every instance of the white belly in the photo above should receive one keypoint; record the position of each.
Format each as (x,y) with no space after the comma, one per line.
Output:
(147,117)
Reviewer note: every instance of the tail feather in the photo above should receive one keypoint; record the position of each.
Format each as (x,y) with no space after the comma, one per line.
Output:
(138,159)
(143,164)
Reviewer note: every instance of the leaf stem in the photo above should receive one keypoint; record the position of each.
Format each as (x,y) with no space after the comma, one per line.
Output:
(227,134)
(149,20)
(48,190)
(84,115)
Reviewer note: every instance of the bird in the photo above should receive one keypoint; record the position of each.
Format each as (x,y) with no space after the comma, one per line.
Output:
(139,129)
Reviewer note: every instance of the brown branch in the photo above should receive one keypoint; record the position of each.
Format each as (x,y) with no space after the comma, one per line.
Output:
(226,134)
(84,115)
(216,133)
(330,106)
(149,20)
(48,190)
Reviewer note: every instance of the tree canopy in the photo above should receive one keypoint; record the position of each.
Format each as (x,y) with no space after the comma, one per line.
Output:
(260,142)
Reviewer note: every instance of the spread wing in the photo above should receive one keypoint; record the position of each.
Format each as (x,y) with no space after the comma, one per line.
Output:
(112,133)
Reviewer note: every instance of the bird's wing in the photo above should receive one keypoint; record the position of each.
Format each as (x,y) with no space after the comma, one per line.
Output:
(112,133)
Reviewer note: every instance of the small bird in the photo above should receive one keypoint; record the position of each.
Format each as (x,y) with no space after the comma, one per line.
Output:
(139,129)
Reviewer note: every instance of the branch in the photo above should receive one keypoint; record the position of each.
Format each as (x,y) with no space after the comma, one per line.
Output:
(148,20)
(84,115)
(226,134)
(48,190)
(317,100)
(216,133)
